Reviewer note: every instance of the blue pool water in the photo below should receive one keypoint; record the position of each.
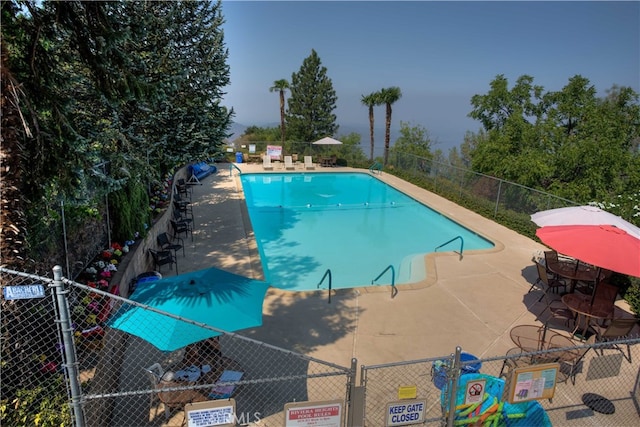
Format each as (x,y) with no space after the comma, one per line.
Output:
(350,223)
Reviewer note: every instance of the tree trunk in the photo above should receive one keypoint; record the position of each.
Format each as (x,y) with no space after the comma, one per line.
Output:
(371,130)
(387,134)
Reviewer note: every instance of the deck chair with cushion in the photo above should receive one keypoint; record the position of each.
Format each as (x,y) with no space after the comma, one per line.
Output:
(618,329)
(170,399)
(288,163)
(266,162)
(308,163)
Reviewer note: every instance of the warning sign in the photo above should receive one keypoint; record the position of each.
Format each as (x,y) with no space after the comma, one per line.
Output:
(314,414)
(406,412)
(211,413)
(475,391)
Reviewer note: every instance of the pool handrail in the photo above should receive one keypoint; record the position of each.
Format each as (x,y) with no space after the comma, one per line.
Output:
(449,241)
(394,290)
(326,273)
(375,167)
(231,167)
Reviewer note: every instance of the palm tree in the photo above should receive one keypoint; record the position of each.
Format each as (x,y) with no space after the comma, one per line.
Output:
(281,86)
(388,96)
(371,101)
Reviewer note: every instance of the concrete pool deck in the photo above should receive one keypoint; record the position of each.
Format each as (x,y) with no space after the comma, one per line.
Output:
(471,301)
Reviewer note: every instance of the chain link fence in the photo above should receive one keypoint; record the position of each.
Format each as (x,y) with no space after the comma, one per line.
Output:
(484,194)
(585,384)
(105,377)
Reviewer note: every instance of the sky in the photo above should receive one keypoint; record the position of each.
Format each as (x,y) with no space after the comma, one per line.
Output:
(439,54)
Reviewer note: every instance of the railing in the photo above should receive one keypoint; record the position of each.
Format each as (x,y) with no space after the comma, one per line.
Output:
(452,240)
(375,167)
(326,273)
(232,167)
(394,290)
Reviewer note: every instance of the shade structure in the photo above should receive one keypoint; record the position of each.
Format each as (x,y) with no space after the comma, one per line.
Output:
(327,141)
(212,297)
(604,246)
(583,215)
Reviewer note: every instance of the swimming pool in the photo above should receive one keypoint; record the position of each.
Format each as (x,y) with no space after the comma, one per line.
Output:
(351,223)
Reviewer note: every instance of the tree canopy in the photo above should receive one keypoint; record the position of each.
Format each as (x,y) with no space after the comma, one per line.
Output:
(569,142)
(312,102)
(113,93)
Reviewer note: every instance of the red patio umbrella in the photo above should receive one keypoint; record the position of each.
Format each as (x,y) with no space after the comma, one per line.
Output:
(604,246)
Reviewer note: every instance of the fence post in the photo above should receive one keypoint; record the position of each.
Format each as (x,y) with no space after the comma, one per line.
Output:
(69,354)
(453,387)
(355,404)
(495,211)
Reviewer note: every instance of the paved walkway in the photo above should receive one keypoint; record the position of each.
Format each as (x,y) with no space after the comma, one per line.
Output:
(471,301)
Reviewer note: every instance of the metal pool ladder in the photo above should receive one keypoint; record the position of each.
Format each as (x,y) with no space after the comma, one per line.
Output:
(449,241)
(394,290)
(326,273)
(375,167)
(232,167)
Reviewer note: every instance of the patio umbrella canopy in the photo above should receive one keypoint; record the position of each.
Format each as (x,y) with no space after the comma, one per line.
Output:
(583,215)
(604,246)
(327,141)
(213,297)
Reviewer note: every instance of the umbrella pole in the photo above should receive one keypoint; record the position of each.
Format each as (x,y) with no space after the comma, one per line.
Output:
(595,285)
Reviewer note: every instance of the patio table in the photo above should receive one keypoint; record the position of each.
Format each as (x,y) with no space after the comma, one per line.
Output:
(574,272)
(586,311)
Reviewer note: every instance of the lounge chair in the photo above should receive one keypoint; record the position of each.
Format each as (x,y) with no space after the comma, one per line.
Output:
(288,163)
(266,162)
(308,163)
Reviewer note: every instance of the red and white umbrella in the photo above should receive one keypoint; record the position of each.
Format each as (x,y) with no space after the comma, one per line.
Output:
(583,215)
(604,246)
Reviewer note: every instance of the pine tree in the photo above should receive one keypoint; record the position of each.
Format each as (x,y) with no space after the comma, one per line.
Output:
(312,102)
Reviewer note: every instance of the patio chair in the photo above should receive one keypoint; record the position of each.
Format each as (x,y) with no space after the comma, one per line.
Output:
(266,162)
(570,358)
(558,311)
(605,296)
(547,283)
(163,241)
(170,399)
(184,207)
(618,329)
(161,258)
(308,163)
(288,163)
(179,227)
(182,188)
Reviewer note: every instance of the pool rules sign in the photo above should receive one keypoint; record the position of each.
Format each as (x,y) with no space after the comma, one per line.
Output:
(406,412)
